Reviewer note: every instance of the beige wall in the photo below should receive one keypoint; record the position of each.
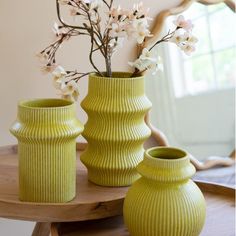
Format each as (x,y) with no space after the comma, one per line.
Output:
(24,30)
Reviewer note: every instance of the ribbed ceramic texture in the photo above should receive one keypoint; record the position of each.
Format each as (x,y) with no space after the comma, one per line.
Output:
(115,130)
(164,201)
(46,131)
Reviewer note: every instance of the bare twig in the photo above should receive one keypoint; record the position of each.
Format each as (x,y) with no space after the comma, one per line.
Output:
(62,22)
(138,72)
(111,3)
(91,31)
(106,3)
(166,38)
(74,75)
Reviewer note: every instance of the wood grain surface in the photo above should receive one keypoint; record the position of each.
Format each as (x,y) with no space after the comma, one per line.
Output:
(41,229)
(220,219)
(91,202)
(94,202)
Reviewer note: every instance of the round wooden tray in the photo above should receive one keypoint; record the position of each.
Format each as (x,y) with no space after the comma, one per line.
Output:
(220,219)
(94,202)
(91,201)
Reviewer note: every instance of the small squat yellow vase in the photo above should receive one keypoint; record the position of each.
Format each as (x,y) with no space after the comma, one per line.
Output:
(116,129)
(165,201)
(46,130)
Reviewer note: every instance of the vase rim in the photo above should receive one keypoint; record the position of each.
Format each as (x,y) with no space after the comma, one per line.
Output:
(117,75)
(45,103)
(176,155)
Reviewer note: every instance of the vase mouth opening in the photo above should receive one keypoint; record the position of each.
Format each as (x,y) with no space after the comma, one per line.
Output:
(166,153)
(116,75)
(45,103)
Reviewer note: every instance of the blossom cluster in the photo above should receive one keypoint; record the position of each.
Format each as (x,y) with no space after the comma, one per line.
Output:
(68,87)
(124,24)
(182,36)
(106,37)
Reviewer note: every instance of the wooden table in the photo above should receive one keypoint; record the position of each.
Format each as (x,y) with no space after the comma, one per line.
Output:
(219,222)
(95,203)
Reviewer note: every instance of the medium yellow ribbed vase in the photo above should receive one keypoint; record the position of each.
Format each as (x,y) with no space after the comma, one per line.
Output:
(46,130)
(165,201)
(115,129)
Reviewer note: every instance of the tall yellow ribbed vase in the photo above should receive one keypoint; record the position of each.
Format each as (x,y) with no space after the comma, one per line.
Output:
(46,130)
(165,201)
(115,130)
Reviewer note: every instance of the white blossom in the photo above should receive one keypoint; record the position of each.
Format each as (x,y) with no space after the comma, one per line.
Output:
(146,55)
(57,30)
(192,39)
(157,66)
(116,43)
(145,61)
(43,57)
(182,23)
(138,64)
(118,30)
(139,30)
(139,11)
(70,90)
(133,24)
(59,71)
(47,69)
(179,37)
(120,24)
(94,4)
(188,48)
(118,14)
(185,41)
(59,77)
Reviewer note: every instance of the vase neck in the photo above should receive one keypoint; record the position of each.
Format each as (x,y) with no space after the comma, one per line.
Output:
(46,111)
(119,87)
(167,166)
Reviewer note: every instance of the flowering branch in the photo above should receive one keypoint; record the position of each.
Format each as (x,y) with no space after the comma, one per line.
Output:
(76,76)
(60,19)
(181,36)
(107,38)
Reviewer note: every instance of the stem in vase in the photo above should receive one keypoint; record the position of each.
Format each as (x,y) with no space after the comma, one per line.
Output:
(108,66)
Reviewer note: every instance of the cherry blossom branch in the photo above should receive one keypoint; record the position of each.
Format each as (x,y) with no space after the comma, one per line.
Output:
(76,76)
(50,51)
(166,38)
(62,22)
(120,24)
(181,36)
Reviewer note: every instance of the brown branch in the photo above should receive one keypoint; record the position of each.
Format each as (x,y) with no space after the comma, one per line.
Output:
(166,38)
(75,77)
(137,72)
(105,2)
(111,3)
(78,78)
(91,31)
(62,22)
(91,57)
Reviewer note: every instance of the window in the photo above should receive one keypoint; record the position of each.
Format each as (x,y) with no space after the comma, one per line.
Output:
(213,65)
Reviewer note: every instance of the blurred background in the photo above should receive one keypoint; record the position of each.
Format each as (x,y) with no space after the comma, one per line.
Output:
(193,97)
